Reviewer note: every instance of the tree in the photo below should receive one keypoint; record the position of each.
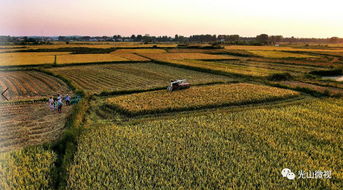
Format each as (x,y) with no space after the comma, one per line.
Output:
(262,38)
(176,37)
(275,39)
(334,40)
(233,38)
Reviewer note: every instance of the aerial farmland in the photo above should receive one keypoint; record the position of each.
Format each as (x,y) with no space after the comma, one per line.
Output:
(247,109)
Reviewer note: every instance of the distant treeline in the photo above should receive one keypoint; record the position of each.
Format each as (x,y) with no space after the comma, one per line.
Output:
(262,39)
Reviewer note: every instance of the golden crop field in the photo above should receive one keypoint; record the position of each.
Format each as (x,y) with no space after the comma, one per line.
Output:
(31,168)
(280,54)
(39,58)
(24,85)
(134,76)
(232,129)
(131,56)
(140,51)
(317,88)
(268,67)
(89,58)
(181,56)
(29,58)
(218,150)
(226,67)
(301,62)
(10,50)
(198,97)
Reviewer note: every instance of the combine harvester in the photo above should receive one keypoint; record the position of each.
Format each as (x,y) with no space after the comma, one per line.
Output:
(178,85)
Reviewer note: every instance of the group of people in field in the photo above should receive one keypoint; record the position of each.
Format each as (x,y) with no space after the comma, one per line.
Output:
(57,103)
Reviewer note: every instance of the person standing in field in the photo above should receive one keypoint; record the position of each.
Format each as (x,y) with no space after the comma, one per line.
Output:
(67,99)
(55,104)
(51,104)
(59,97)
(59,105)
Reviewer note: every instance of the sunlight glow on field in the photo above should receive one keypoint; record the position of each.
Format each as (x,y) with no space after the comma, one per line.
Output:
(249,18)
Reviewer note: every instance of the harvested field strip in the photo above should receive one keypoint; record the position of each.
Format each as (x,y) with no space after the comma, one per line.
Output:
(12,89)
(137,76)
(21,91)
(47,81)
(197,97)
(29,124)
(31,85)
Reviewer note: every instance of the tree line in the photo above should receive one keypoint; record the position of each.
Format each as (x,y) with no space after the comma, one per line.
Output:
(262,39)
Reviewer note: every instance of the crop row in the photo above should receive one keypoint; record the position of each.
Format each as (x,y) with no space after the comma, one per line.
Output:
(119,77)
(29,124)
(30,85)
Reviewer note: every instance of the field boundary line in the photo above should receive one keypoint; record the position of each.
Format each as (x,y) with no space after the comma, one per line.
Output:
(230,109)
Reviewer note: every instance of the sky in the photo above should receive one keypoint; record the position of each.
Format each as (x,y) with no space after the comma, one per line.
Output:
(298,18)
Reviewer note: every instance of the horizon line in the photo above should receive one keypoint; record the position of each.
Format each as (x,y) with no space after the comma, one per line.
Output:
(166,35)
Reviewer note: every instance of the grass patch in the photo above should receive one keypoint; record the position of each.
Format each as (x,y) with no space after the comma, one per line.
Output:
(332,72)
(280,77)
